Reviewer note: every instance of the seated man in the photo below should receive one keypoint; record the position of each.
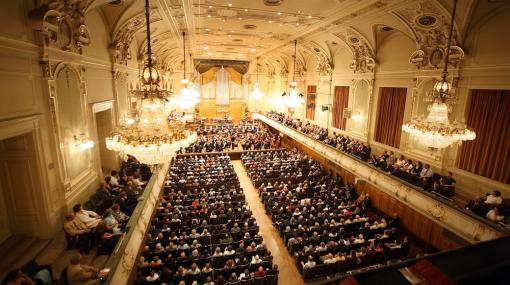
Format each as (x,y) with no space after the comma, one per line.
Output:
(494,198)
(79,274)
(79,231)
(90,218)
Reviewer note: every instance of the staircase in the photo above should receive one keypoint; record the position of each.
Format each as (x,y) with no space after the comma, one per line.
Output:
(19,250)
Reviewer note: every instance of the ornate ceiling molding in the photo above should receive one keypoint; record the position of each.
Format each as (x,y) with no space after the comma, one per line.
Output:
(429,23)
(122,39)
(61,24)
(362,51)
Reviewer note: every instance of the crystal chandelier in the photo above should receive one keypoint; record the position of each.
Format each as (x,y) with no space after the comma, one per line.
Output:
(188,97)
(150,135)
(294,98)
(436,130)
(256,94)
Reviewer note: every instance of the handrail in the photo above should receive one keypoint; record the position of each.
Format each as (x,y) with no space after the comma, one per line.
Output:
(451,205)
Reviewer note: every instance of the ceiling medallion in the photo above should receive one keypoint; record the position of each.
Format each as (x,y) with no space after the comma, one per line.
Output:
(354,40)
(273,2)
(427,21)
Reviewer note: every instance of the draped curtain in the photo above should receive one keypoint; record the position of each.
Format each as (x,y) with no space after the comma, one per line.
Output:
(390,115)
(340,102)
(489,154)
(311,93)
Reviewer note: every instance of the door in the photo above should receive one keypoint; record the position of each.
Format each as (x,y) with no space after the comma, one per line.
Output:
(5,227)
(104,128)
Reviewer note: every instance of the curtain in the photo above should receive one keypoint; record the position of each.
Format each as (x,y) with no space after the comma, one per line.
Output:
(392,102)
(209,75)
(340,102)
(311,93)
(489,154)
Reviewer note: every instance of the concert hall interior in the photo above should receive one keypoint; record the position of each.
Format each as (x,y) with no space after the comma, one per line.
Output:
(254,142)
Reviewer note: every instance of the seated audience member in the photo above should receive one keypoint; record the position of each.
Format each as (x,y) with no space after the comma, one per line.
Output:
(310,263)
(494,215)
(426,172)
(494,198)
(18,277)
(89,218)
(79,231)
(80,274)
(120,216)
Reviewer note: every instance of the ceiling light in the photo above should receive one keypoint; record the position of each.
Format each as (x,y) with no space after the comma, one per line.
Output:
(436,130)
(279,13)
(270,21)
(209,53)
(281,24)
(309,16)
(150,137)
(240,18)
(230,4)
(210,7)
(206,47)
(297,24)
(245,10)
(208,16)
(253,49)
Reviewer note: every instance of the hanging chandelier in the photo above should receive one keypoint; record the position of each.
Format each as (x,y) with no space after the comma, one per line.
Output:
(188,97)
(436,130)
(150,135)
(256,94)
(294,99)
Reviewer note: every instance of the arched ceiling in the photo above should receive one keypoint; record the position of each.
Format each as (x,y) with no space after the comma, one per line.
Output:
(245,29)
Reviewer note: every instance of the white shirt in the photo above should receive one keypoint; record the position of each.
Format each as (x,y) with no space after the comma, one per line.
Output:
(426,172)
(88,218)
(491,199)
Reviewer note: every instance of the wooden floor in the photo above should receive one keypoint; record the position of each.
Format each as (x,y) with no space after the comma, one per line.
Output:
(289,274)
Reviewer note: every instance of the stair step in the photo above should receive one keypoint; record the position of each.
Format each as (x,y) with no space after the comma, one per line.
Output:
(100,261)
(31,252)
(61,262)
(12,256)
(50,254)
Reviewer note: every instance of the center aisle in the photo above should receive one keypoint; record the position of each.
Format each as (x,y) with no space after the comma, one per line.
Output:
(288,271)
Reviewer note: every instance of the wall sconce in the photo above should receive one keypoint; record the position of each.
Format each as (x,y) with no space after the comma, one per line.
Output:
(82,142)
(357,116)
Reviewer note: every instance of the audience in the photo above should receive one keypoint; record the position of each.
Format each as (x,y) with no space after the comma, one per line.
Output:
(492,207)
(203,231)
(321,220)
(405,169)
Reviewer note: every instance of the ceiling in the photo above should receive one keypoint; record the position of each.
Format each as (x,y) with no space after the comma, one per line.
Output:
(243,30)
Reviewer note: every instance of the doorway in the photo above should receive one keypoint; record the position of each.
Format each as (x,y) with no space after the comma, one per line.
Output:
(108,158)
(21,209)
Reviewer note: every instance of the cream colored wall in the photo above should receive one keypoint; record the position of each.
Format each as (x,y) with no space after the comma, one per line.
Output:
(66,178)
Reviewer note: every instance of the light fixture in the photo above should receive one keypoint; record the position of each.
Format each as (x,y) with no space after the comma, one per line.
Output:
(149,134)
(293,99)
(188,97)
(82,142)
(436,130)
(256,94)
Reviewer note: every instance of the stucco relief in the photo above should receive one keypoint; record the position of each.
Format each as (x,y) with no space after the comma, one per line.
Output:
(61,24)
(430,26)
(362,52)
(119,48)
